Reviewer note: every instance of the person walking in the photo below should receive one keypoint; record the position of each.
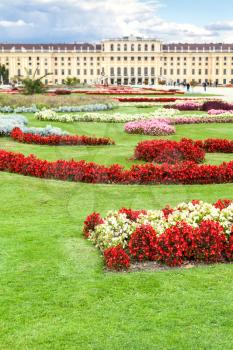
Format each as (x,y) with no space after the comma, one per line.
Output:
(188,87)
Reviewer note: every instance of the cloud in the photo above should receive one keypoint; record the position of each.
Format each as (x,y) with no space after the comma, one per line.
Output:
(92,20)
(14,24)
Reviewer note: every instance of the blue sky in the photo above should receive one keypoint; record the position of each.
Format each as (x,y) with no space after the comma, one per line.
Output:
(91,20)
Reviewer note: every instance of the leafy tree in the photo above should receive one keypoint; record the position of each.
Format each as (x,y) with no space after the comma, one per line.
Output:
(4,74)
(72,81)
(193,83)
(33,85)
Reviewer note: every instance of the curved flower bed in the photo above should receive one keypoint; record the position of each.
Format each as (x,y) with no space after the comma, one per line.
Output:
(18,135)
(103,117)
(89,172)
(151,126)
(190,232)
(166,151)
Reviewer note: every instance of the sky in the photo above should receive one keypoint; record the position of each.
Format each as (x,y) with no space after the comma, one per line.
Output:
(41,21)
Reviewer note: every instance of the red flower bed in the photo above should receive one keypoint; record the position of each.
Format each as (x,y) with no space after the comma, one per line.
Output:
(82,171)
(165,151)
(56,140)
(147,99)
(216,145)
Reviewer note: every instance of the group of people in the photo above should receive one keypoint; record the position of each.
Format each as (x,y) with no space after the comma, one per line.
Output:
(205,84)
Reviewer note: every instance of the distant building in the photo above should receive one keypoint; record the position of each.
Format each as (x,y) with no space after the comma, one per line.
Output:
(129,60)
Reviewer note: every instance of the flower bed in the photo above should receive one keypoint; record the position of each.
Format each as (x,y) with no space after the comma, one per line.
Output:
(220,112)
(56,140)
(166,151)
(147,99)
(9,122)
(198,106)
(150,127)
(190,232)
(62,109)
(103,117)
(89,172)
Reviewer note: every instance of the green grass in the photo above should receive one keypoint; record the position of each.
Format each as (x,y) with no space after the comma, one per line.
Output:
(54,291)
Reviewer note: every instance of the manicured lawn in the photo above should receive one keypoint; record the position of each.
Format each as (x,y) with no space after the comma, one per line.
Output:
(54,291)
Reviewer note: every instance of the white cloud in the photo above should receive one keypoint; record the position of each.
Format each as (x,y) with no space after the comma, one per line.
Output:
(82,20)
(13,24)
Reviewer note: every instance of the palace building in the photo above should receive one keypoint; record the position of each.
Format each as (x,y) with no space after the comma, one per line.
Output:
(128,60)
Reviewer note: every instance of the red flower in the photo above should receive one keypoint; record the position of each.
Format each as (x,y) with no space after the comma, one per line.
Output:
(132,214)
(142,244)
(116,258)
(176,245)
(210,242)
(57,140)
(166,151)
(91,222)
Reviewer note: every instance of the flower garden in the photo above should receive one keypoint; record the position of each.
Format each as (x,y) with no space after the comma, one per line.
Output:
(122,207)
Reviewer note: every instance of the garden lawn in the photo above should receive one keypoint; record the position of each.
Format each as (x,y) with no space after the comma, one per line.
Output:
(54,291)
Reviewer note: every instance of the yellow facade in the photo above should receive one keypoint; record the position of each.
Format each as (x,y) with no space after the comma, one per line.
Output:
(128,60)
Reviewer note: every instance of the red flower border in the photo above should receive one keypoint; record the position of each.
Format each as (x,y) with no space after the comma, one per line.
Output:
(58,140)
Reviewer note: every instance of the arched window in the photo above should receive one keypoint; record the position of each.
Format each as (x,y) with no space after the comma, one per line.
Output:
(112,47)
(125,47)
(118,47)
(152,47)
(132,47)
(139,47)
(146,47)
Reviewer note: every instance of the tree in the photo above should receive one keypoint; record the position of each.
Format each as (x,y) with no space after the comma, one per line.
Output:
(4,74)
(72,81)
(33,85)
(193,83)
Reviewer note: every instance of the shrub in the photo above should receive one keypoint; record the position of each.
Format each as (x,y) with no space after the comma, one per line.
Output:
(116,258)
(142,244)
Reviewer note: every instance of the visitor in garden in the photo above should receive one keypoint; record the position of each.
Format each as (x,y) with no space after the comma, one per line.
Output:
(188,87)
